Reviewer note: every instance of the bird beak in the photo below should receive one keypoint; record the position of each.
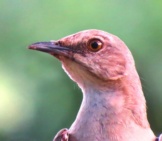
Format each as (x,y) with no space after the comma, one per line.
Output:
(52,48)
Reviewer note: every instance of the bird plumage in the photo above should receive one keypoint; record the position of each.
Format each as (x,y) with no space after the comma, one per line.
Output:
(113,106)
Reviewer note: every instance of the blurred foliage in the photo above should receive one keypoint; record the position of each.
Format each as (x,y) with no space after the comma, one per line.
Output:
(36,97)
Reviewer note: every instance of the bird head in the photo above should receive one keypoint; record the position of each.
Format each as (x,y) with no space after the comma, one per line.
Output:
(89,55)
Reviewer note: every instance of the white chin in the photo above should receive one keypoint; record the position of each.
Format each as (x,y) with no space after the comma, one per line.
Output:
(75,71)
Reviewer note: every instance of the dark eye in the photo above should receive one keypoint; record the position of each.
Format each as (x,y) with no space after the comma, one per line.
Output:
(95,45)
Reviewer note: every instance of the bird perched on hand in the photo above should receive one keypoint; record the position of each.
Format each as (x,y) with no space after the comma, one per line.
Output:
(113,106)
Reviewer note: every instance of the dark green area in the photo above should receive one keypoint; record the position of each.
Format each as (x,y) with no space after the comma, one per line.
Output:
(36,97)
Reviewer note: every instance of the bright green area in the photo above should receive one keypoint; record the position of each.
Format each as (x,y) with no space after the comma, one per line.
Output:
(36,97)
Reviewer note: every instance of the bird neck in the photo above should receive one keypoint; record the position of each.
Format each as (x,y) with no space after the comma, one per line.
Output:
(116,98)
(112,107)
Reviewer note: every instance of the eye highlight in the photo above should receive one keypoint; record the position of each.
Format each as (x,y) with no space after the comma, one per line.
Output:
(95,45)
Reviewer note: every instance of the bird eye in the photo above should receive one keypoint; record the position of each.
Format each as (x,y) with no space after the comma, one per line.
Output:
(95,45)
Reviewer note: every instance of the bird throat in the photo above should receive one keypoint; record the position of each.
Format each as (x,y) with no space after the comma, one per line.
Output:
(107,110)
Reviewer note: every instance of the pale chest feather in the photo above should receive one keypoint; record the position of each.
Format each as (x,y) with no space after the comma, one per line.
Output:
(102,120)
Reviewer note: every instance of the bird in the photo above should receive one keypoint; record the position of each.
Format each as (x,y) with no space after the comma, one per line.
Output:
(113,107)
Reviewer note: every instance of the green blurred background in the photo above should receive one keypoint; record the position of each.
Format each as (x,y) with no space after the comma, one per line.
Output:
(36,97)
